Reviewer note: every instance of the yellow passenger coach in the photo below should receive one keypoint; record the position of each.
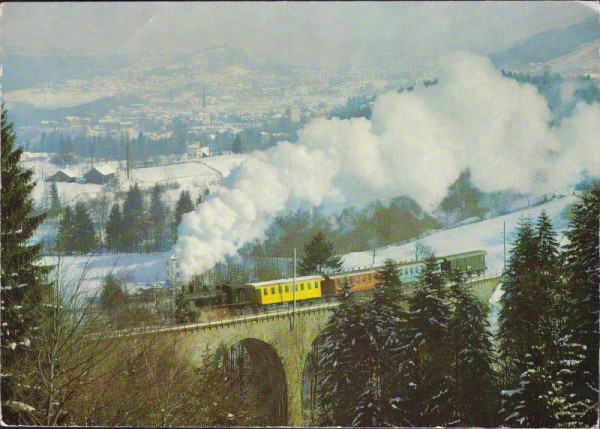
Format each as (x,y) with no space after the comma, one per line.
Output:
(280,290)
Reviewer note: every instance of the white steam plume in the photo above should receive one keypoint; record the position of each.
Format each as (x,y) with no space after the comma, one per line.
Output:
(416,143)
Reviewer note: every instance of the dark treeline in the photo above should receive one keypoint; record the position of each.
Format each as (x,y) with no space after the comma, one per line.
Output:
(134,225)
(426,358)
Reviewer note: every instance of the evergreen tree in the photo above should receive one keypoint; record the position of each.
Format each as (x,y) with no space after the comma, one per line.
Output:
(383,320)
(184,205)
(114,229)
(83,236)
(236,146)
(425,366)
(531,325)
(133,220)
(66,232)
(340,370)
(55,205)
(517,321)
(113,298)
(23,280)
(568,408)
(157,213)
(319,256)
(528,404)
(473,396)
(583,265)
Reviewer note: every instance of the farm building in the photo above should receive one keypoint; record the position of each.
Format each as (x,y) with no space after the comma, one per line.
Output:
(63,175)
(99,175)
(196,150)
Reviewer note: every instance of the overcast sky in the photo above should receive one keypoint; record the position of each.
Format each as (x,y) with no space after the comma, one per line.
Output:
(312,34)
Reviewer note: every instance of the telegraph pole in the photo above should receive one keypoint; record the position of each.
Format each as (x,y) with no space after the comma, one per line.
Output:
(294,293)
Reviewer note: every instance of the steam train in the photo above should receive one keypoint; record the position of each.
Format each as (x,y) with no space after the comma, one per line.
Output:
(230,299)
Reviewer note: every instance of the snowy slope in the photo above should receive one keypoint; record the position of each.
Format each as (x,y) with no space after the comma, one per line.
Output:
(90,270)
(485,235)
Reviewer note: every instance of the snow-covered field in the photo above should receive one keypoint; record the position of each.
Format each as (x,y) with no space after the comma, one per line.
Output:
(87,272)
(485,235)
(193,175)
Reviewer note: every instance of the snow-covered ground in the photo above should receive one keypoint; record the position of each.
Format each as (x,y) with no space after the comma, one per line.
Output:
(193,175)
(485,235)
(87,272)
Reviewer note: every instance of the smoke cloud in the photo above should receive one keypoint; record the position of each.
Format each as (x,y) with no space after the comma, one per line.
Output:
(416,143)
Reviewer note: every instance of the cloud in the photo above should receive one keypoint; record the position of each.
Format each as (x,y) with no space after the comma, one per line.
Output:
(416,143)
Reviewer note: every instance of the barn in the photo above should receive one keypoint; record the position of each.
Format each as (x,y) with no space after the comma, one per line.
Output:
(99,175)
(63,175)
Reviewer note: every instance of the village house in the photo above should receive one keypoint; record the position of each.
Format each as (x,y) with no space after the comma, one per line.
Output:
(63,175)
(100,175)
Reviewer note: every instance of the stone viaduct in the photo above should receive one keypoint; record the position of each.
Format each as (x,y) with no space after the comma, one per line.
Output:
(270,338)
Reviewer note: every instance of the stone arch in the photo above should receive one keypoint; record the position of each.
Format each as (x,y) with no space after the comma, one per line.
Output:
(260,371)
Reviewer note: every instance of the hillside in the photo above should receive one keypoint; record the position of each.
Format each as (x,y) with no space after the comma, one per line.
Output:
(548,45)
(585,60)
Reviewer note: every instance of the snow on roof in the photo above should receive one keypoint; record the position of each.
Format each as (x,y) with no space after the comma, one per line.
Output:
(105,170)
(67,172)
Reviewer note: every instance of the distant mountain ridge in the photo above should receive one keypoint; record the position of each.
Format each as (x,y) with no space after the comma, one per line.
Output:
(28,70)
(548,45)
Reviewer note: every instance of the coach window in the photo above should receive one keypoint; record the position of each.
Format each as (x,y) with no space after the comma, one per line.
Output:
(279,288)
(316,285)
(357,279)
(273,290)
(364,278)
(301,286)
(309,285)
(265,291)
(287,288)
(369,276)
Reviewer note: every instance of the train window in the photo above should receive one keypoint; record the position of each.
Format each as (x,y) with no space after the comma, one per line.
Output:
(265,291)
(369,276)
(316,285)
(309,285)
(273,290)
(364,278)
(411,270)
(301,286)
(357,279)
(287,288)
(280,289)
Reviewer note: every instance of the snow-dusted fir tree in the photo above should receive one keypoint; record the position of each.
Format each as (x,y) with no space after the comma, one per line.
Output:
(517,319)
(340,371)
(426,365)
(474,395)
(528,403)
(568,408)
(583,267)
(23,283)
(383,321)
(548,291)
